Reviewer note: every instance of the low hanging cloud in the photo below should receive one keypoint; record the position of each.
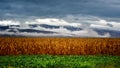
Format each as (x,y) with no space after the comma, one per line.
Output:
(9,22)
(53,21)
(63,27)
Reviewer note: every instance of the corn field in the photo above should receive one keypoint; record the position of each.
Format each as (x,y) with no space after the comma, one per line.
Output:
(59,46)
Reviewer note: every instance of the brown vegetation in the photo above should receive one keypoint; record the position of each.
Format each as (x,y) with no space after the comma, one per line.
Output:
(60,46)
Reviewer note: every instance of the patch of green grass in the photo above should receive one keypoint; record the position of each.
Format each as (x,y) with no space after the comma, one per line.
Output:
(66,61)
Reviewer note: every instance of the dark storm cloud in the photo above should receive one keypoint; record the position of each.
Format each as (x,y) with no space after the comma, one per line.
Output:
(106,8)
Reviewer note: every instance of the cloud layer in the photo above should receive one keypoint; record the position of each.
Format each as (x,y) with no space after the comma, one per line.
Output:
(69,26)
(54,8)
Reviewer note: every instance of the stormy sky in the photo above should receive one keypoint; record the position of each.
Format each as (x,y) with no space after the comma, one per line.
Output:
(62,18)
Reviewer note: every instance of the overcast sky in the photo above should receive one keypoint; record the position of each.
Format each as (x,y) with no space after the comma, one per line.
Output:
(76,12)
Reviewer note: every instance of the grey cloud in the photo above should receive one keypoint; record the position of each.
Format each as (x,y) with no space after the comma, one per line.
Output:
(107,8)
(84,12)
(69,26)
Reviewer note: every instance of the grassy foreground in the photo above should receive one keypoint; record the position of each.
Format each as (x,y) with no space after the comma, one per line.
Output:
(65,61)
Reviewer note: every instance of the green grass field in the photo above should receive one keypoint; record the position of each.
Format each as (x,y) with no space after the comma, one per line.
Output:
(66,61)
